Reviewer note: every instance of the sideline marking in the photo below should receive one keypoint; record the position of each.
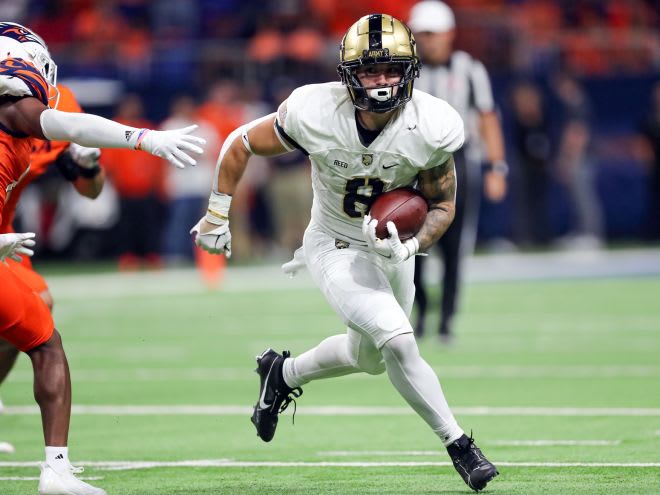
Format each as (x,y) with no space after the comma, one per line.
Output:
(500,443)
(220,463)
(233,410)
(553,443)
(36,478)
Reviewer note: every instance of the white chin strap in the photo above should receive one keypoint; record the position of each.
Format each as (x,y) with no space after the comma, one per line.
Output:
(380,94)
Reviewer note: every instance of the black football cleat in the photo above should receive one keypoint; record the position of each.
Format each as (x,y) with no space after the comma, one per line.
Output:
(471,464)
(274,394)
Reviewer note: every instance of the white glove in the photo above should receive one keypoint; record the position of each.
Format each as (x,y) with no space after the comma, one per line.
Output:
(391,248)
(85,157)
(14,245)
(291,268)
(214,238)
(173,145)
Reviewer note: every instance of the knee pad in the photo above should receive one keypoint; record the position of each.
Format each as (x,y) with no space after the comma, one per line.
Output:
(371,364)
(364,354)
(402,347)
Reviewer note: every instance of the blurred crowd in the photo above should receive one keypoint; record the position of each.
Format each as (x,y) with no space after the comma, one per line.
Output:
(574,81)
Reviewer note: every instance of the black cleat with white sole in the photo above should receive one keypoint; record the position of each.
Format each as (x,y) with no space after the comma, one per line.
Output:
(274,394)
(471,464)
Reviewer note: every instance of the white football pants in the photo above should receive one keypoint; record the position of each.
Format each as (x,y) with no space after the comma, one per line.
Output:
(374,298)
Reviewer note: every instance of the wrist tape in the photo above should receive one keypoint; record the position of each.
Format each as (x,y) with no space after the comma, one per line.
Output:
(218,209)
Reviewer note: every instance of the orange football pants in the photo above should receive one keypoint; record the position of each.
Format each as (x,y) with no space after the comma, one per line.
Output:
(25,320)
(26,273)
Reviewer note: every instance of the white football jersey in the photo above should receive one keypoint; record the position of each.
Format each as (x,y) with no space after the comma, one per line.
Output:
(346,175)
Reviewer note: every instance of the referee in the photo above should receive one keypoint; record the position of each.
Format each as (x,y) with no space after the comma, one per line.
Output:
(463,82)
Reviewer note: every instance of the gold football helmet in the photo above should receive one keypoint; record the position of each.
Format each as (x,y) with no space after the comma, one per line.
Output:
(377,39)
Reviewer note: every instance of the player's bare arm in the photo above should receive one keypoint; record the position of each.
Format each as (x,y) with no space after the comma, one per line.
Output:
(261,140)
(438,186)
(23,116)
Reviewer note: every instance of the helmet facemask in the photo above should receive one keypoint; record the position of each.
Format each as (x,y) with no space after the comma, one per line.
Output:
(382,98)
(378,39)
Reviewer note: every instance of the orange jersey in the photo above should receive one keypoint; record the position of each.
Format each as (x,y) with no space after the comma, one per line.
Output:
(25,320)
(15,147)
(43,153)
(14,162)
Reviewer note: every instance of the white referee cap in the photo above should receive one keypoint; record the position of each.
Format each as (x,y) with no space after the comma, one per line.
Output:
(431,16)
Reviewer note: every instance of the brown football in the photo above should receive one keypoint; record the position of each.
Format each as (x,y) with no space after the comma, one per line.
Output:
(405,207)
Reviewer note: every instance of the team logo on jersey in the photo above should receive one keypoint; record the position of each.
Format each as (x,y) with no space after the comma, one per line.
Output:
(367,159)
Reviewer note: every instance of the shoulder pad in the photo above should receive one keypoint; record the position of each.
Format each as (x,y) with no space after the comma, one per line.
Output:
(20,78)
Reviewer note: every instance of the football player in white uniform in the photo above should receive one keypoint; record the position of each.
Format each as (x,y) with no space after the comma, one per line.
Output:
(369,134)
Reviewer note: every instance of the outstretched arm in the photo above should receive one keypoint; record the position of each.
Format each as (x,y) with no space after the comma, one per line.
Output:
(30,116)
(438,186)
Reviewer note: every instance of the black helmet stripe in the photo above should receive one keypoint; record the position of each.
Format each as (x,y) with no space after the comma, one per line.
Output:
(375,31)
(376,39)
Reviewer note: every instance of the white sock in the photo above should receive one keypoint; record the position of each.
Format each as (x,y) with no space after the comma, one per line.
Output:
(58,458)
(418,384)
(328,359)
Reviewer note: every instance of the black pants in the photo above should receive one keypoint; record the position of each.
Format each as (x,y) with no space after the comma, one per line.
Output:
(451,247)
(139,227)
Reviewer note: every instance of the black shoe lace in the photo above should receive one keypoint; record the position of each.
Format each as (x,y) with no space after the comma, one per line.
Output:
(468,455)
(472,456)
(291,397)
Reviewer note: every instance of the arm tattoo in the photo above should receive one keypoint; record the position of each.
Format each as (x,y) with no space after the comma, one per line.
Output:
(438,186)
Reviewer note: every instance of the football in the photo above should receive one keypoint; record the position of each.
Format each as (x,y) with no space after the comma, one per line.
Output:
(406,207)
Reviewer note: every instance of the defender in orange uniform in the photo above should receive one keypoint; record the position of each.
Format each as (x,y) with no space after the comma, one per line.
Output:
(78,165)
(27,74)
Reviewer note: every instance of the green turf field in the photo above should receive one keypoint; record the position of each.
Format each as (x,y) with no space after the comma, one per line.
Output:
(559,380)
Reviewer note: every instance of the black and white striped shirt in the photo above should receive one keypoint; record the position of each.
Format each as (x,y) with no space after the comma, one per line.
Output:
(463,83)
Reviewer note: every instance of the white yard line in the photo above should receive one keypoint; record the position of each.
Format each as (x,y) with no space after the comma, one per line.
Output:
(379,453)
(227,463)
(36,478)
(555,443)
(236,410)
(499,443)
(97,375)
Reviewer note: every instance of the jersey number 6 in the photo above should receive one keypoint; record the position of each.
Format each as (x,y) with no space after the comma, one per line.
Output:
(361,192)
